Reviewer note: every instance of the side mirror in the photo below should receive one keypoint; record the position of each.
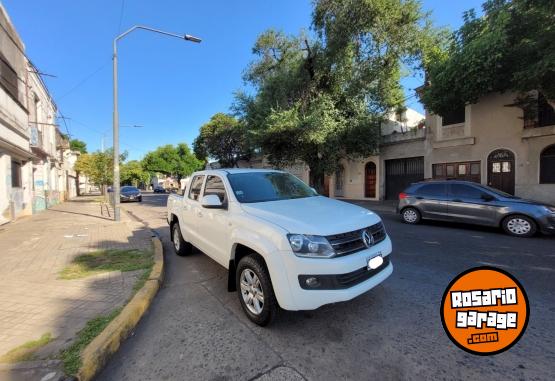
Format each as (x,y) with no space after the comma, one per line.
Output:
(211,201)
(487,197)
(314,190)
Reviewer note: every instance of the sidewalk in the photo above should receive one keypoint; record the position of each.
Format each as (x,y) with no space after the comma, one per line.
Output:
(389,206)
(33,250)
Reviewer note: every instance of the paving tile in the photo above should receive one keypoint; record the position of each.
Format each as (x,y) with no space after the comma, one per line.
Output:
(33,300)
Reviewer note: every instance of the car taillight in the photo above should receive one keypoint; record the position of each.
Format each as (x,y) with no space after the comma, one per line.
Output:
(403,195)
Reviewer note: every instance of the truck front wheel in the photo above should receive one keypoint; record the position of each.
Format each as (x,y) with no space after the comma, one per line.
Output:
(179,244)
(255,290)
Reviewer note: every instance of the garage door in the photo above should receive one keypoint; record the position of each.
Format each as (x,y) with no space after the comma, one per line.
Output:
(400,173)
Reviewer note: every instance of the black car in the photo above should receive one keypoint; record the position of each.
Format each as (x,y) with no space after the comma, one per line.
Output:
(159,189)
(128,193)
(469,202)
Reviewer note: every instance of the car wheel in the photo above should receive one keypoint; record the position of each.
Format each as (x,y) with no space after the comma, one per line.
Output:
(255,290)
(140,199)
(410,215)
(180,246)
(519,226)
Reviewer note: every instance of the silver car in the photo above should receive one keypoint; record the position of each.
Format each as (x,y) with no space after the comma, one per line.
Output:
(472,203)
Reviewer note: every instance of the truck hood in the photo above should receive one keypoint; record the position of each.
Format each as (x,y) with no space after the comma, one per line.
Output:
(313,215)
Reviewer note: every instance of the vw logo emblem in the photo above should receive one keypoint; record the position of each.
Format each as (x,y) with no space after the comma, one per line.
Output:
(367,238)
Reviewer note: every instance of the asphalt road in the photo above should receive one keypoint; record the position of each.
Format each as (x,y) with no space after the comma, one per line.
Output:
(196,330)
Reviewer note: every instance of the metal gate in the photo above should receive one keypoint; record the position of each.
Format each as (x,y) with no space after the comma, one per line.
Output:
(400,173)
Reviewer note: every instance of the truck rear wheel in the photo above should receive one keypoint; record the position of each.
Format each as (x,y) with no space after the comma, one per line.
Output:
(180,246)
(255,290)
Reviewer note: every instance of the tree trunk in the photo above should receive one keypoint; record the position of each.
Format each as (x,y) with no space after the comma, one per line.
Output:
(77,190)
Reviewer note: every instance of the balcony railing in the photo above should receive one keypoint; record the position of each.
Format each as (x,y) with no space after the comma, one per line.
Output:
(412,134)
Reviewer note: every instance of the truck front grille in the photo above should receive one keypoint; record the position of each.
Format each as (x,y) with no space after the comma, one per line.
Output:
(351,242)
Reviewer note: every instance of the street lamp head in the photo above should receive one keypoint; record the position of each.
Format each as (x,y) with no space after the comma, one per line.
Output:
(188,37)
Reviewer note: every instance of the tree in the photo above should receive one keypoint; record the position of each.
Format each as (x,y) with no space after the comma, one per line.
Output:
(223,138)
(511,47)
(132,173)
(171,160)
(78,145)
(98,166)
(321,98)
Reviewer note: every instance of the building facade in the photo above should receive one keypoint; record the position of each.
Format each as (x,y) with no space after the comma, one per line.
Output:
(16,164)
(489,142)
(32,171)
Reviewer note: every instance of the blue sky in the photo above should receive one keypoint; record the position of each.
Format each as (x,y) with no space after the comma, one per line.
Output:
(168,86)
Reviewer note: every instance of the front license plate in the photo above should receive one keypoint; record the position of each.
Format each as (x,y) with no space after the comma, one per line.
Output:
(132,197)
(375,262)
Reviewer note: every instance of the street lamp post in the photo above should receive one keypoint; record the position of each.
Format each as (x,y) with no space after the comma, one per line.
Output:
(116,185)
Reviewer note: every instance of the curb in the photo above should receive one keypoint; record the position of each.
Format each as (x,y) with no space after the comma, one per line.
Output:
(96,354)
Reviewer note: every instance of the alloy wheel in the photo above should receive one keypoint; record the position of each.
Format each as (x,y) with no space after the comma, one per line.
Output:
(176,238)
(251,291)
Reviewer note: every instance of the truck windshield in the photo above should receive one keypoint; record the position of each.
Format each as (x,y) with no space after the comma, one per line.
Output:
(267,186)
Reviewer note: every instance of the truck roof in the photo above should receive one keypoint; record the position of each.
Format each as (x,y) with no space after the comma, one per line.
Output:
(225,171)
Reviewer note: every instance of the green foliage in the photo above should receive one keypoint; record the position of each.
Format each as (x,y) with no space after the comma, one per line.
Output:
(510,48)
(172,160)
(71,357)
(132,173)
(103,261)
(223,138)
(26,351)
(98,166)
(321,98)
(78,145)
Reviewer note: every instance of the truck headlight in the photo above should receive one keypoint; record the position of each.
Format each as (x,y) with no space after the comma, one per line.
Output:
(311,246)
(550,209)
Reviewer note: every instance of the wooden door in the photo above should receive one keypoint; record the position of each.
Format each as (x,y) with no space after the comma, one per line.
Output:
(501,170)
(370,180)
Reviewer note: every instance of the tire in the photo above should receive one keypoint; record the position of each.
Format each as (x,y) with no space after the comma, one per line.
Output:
(411,215)
(261,286)
(140,199)
(180,246)
(519,225)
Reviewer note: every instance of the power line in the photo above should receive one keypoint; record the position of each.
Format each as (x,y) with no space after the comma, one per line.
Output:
(85,79)
(121,16)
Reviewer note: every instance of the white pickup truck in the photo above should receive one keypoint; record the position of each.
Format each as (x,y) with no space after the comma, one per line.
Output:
(282,243)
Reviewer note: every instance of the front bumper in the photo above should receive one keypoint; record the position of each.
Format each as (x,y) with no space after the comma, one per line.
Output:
(546,223)
(290,294)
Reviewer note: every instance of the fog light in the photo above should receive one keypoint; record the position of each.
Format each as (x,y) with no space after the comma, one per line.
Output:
(312,282)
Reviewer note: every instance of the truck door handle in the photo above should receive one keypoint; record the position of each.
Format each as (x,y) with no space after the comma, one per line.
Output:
(456,200)
(419,198)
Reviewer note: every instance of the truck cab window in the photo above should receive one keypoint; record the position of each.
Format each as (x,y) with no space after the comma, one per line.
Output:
(215,185)
(196,186)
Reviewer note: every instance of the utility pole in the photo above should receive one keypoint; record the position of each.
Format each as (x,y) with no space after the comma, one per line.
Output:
(116,185)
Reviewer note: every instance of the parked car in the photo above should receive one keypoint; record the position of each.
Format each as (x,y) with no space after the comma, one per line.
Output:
(159,189)
(282,243)
(469,202)
(129,193)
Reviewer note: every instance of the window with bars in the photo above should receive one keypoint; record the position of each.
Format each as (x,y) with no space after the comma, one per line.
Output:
(469,170)
(542,114)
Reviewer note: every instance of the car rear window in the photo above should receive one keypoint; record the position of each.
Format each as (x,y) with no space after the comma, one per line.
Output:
(432,190)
